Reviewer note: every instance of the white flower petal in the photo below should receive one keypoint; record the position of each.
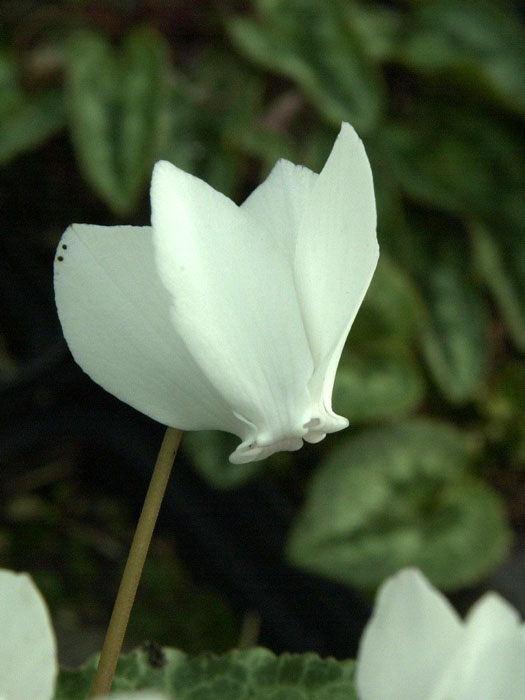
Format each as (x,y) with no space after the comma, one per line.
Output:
(491,616)
(410,639)
(336,255)
(234,303)
(279,203)
(498,673)
(489,661)
(115,314)
(28,664)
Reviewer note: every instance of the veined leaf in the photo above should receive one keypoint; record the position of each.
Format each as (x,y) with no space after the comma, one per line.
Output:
(315,45)
(398,496)
(118,112)
(255,674)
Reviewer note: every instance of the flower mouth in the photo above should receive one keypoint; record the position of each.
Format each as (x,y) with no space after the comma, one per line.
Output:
(262,448)
(263,443)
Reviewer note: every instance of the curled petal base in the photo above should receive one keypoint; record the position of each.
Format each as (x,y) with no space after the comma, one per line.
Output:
(259,444)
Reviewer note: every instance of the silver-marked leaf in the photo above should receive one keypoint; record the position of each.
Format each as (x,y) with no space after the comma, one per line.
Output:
(398,496)
(118,112)
(316,45)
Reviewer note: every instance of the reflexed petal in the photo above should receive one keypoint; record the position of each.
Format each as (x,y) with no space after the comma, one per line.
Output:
(115,316)
(489,661)
(234,303)
(28,664)
(279,203)
(336,255)
(410,639)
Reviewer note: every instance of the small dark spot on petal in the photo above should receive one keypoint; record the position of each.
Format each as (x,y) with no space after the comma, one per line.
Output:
(60,258)
(64,247)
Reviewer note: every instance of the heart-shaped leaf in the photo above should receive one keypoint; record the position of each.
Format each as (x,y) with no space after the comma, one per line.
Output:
(398,496)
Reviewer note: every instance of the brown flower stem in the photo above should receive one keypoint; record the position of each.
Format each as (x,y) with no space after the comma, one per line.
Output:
(135,563)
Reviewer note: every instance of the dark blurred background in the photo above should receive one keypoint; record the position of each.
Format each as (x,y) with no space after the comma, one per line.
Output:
(287,552)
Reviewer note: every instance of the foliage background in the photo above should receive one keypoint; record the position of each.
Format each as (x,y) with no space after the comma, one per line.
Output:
(431,471)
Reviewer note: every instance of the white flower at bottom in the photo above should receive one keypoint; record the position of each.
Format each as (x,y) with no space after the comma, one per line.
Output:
(28,664)
(226,317)
(28,657)
(415,647)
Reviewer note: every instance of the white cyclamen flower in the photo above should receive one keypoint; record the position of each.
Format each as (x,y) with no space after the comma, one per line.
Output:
(28,664)
(416,647)
(28,658)
(226,317)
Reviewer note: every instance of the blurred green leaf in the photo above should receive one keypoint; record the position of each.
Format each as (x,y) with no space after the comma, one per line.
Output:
(478,44)
(391,308)
(378,376)
(208,623)
(118,112)
(499,252)
(216,122)
(453,319)
(28,118)
(455,331)
(454,159)
(504,411)
(208,451)
(238,675)
(454,328)
(316,45)
(382,383)
(398,496)
(378,27)
(450,310)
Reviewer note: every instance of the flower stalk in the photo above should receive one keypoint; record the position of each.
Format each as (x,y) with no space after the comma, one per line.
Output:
(135,563)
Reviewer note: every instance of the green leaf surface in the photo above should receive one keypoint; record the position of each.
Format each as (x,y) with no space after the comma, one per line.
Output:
(499,252)
(455,159)
(316,45)
(504,411)
(378,26)
(398,496)
(478,44)
(378,376)
(255,674)
(380,384)
(216,112)
(391,309)
(454,334)
(27,118)
(454,328)
(208,451)
(118,112)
